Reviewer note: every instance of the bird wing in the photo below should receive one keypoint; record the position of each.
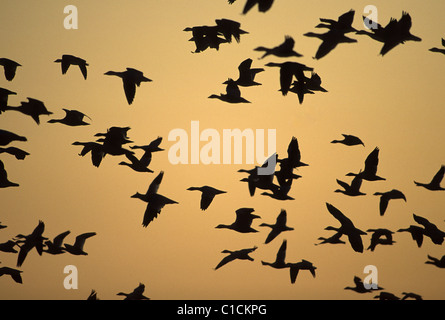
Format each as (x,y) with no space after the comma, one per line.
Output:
(58,240)
(80,239)
(282,217)
(206,200)
(154,185)
(384,200)
(293,273)
(281,254)
(372,161)
(83,69)
(356,241)
(130,90)
(437,179)
(337,214)
(343,184)
(347,18)
(225,260)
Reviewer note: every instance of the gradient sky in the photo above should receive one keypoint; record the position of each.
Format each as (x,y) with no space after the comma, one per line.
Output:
(394,102)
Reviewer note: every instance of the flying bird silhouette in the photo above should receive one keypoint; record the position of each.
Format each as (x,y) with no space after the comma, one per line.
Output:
(77,248)
(359,286)
(130,78)
(440,263)
(33,108)
(67,60)
(385,197)
(229,28)
(10,68)
(55,247)
(434,184)
(439,50)
(18,153)
(343,23)
(29,242)
(278,227)
(72,118)
(207,196)
(6,137)
(242,254)
(380,236)
(14,273)
(284,50)
(330,40)
(137,294)
(289,70)
(349,140)
(370,171)
(247,74)
(353,189)
(243,221)
(232,95)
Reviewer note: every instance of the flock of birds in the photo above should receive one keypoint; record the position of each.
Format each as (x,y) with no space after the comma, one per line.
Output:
(276,185)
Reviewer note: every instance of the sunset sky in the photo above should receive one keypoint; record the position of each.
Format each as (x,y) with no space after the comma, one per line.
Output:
(395,103)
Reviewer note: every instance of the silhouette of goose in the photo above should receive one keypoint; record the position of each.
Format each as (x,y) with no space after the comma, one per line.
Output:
(330,40)
(247,74)
(14,273)
(386,296)
(343,23)
(243,221)
(353,189)
(33,108)
(440,263)
(130,78)
(155,201)
(138,165)
(4,95)
(8,246)
(280,258)
(360,287)
(370,171)
(153,146)
(10,68)
(434,184)
(233,93)
(93,295)
(242,254)
(2,226)
(18,153)
(416,233)
(115,137)
(378,32)
(284,50)
(439,50)
(6,137)
(411,295)
(55,247)
(285,172)
(294,154)
(314,83)
(206,37)
(377,235)
(300,89)
(33,240)
(278,227)
(68,60)
(96,149)
(208,193)
(335,239)
(385,197)
(302,265)
(137,294)
(349,140)
(72,118)
(77,248)
(229,28)
(430,230)
(4,182)
(288,70)
(280,192)
(254,181)
(347,228)
(263,5)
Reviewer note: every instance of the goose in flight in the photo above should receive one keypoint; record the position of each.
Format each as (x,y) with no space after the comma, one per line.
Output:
(8,246)
(370,171)
(440,263)
(430,230)
(153,146)
(28,242)
(330,40)
(343,23)
(416,232)
(294,154)
(434,184)
(347,228)
(155,200)
(4,182)
(385,197)
(229,28)
(280,259)
(72,118)
(411,295)
(263,5)
(6,137)
(130,78)
(302,265)
(67,60)
(33,108)
(205,37)
(289,70)
(353,189)
(93,295)
(242,254)
(137,294)
(281,192)
(14,273)
(138,165)
(10,68)
(207,196)
(77,248)
(247,74)
(377,239)
(55,247)
(349,140)
(19,154)
(439,50)
(284,50)
(335,239)
(232,95)
(359,286)
(96,149)
(278,227)
(243,221)
(386,296)
(4,95)
(115,137)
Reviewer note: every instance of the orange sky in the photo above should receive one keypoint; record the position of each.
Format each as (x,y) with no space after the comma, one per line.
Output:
(394,103)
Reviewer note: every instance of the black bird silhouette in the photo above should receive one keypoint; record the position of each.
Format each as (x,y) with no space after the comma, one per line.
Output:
(72,118)
(343,23)
(281,192)
(96,149)
(130,78)
(347,228)
(330,40)
(370,171)
(280,259)
(434,184)
(14,273)
(242,254)
(377,239)
(430,230)
(4,182)
(439,50)
(93,295)
(207,196)
(360,287)
(137,294)
(6,137)
(294,154)
(353,189)
(155,200)
(229,28)
(138,165)
(4,95)
(232,95)
(335,239)
(288,70)
(68,60)
(8,246)
(349,140)
(386,196)
(386,296)
(33,108)
(115,137)
(263,5)
(18,153)
(440,263)
(302,265)
(278,227)
(206,37)
(416,234)
(284,50)
(27,243)
(56,246)
(411,295)
(10,68)
(243,221)
(77,248)
(300,89)
(247,74)
(153,146)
